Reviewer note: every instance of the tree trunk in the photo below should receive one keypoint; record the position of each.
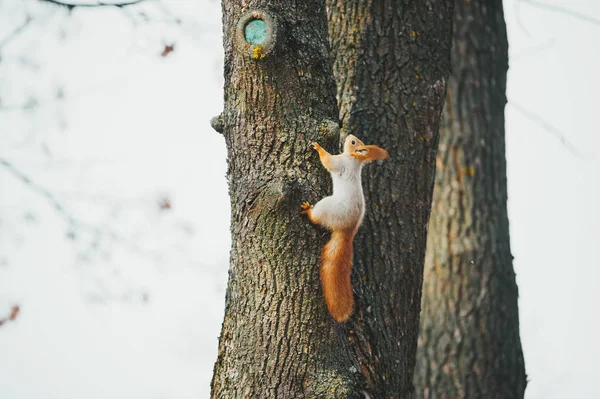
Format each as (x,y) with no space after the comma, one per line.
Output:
(277,339)
(392,60)
(469,345)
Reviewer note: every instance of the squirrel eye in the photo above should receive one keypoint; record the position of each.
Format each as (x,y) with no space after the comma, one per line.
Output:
(353,142)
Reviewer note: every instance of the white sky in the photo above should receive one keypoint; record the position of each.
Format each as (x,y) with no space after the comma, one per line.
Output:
(134,127)
(554,196)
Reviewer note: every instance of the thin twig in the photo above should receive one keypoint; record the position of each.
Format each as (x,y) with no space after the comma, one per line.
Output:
(549,128)
(520,23)
(71,220)
(90,5)
(564,11)
(15,32)
(532,50)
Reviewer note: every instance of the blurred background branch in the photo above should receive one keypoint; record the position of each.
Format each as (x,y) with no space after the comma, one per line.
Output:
(94,4)
(562,10)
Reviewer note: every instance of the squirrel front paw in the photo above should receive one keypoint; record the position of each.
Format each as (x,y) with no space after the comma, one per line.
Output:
(316,146)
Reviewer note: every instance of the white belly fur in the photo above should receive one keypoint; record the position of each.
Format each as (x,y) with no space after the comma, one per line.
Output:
(345,208)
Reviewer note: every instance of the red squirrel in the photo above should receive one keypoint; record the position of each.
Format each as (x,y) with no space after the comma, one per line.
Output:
(342,213)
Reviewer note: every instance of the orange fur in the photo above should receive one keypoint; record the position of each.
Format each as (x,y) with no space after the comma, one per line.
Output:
(368,153)
(307,210)
(375,153)
(325,157)
(336,264)
(337,254)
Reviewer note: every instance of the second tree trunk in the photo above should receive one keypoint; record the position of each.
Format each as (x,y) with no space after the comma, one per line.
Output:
(469,345)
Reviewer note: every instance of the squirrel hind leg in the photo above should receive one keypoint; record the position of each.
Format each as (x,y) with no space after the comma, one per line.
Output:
(306,206)
(307,209)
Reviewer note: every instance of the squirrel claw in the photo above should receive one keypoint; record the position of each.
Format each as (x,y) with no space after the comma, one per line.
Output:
(316,146)
(306,206)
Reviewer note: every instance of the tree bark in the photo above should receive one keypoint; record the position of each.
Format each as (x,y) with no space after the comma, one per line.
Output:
(392,60)
(469,345)
(277,339)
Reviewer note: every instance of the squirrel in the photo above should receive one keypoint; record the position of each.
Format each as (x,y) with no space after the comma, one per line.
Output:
(342,213)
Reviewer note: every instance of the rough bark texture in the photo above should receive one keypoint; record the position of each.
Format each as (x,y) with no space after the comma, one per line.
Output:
(277,339)
(392,60)
(469,345)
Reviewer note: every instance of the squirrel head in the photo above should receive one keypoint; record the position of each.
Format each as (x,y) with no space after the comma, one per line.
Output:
(351,144)
(364,153)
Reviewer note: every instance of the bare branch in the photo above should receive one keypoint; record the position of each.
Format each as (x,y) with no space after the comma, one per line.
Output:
(74,222)
(14,312)
(561,10)
(91,5)
(533,50)
(520,23)
(12,35)
(30,104)
(549,128)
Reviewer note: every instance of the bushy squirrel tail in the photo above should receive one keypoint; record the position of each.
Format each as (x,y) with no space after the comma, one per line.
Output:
(336,264)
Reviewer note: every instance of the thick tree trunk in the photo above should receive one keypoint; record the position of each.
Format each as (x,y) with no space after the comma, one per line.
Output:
(277,339)
(469,346)
(392,60)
